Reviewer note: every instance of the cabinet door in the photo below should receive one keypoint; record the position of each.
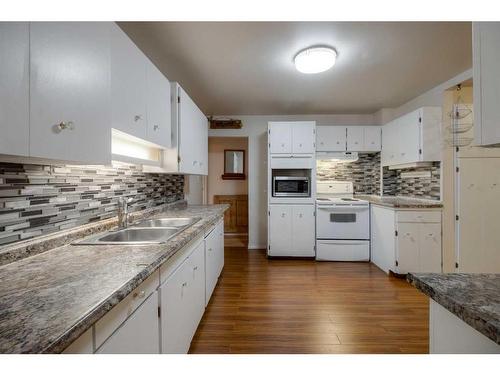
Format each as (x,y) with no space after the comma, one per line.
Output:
(372,138)
(355,138)
(303,138)
(139,334)
(408,248)
(303,230)
(331,138)
(193,136)
(175,325)
(128,85)
(14,88)
(280,230)
(389,143)
(408,138)
(158,105)
(211,263)
(70,91)
(486,54)
(220,246)
(430,247)
(280,138)
(196,290)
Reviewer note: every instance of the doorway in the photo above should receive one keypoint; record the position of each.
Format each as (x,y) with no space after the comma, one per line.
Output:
(227,183)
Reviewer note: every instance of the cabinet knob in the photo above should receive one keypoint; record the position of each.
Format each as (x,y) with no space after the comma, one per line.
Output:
(65,125)
(355,143)
(282,145)
(137,118)
(194,162)
(283,215)
(300,144)
(209,249)
(195,268)
(156,127)
(184,284)
(300,215)
(141,294)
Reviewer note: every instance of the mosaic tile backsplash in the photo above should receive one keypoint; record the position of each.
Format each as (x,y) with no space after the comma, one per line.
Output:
(415,187)
(364,173)
(42,199)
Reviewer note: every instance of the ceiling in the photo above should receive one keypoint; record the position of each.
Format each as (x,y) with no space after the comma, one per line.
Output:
(243,68)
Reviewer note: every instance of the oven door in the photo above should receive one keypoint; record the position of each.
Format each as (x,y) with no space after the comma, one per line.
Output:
(285,186)
(349,222)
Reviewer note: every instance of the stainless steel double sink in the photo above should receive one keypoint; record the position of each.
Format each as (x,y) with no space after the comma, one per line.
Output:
(147,232)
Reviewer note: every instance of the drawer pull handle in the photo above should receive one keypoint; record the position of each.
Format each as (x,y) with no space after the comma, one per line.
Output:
(137,118)
(195,268)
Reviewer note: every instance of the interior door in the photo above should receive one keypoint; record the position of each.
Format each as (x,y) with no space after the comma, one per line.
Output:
(407,248)
(355,138)
(14,88)
(139,334)
(331,138)
(280,230)
(280,138)
(70,91)
(303,138)
(303,230)
(430,247)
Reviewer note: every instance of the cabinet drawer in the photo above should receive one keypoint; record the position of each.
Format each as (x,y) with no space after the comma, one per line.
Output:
(418,217)
(118,314)
(169,267)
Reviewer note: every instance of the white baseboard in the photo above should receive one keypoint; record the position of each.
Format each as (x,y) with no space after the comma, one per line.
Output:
(256,247)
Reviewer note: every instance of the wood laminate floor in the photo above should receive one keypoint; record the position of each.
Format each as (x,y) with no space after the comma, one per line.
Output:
(265,305)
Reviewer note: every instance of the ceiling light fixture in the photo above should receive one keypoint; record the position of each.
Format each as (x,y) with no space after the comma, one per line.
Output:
(315,59)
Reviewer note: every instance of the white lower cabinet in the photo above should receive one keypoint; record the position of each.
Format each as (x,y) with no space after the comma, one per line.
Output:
(183,302)
(139,334)
(291,230)
(162,314)
(214,258)
(406,241)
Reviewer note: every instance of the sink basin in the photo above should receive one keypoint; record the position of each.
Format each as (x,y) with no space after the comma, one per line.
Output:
(133,236)
(176,222)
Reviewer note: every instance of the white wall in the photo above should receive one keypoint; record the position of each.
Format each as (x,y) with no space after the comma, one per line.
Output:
(433,97)
(255,128)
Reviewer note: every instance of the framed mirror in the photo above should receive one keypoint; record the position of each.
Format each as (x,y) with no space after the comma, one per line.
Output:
(234,165)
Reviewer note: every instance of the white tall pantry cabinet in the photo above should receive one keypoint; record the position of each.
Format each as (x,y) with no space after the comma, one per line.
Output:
(291,221)
(14,88)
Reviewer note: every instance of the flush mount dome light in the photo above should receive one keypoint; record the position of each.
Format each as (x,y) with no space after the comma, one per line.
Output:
(315,60)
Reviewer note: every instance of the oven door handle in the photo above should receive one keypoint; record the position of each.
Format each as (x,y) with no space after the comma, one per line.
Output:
(342,209)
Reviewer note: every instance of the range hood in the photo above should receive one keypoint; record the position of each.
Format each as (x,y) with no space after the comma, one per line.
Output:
(338,156)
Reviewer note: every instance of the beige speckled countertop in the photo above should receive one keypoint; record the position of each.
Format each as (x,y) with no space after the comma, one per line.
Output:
(400,202)
(49,299)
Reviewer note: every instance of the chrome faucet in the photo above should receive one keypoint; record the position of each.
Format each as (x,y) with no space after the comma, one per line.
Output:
(123,211)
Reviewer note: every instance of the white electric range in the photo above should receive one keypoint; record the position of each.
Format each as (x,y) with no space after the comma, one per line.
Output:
(342,223)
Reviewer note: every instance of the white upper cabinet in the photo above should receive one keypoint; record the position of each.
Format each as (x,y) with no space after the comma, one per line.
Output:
(70,91)
(355,138)
(414,137)
(128,85)
(158,106)
(188,152)
(348,138)
(331,138)
(280,139)
(298,137)
(486,73)
(14,88)
(303,138)
(372,138)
